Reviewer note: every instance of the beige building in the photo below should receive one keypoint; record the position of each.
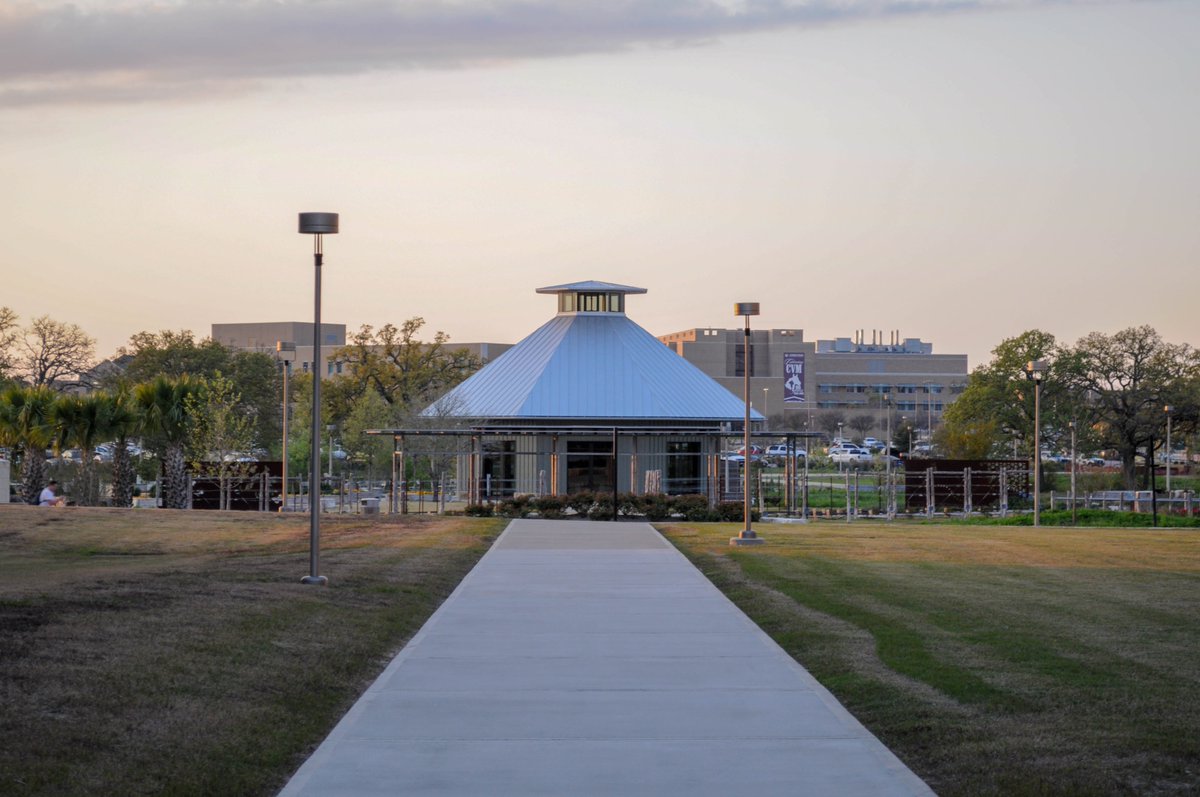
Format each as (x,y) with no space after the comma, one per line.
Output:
(262,337)
(799,381)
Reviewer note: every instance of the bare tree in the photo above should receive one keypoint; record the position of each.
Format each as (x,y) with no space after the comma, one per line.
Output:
(8,337)
(862,423)
(55,354)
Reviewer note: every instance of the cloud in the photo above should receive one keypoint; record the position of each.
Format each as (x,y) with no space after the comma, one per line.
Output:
(157,50)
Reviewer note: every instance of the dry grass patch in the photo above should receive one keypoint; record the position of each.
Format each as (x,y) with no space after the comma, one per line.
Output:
(992,660)
(152,651)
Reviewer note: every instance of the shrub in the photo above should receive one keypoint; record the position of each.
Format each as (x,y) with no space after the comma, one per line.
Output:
(694,508)
(549,506)
(729,511)
(517,506)
(581,503)
(656,507)
(478,510)
(602,508)
(629,504)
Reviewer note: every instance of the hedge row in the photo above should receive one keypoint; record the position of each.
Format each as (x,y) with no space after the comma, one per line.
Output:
(599,506)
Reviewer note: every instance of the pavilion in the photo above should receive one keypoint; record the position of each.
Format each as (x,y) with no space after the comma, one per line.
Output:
(547,415)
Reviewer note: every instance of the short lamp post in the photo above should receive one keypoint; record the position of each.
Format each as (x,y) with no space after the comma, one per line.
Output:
(887,453)
(286,352)
(1074,515)
(1035,371)
(746,536)
(1167,410)
(316,225)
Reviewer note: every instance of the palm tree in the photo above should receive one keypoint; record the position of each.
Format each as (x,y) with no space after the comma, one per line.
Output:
(26,423)
(124,421)
(163,404)
(81,422)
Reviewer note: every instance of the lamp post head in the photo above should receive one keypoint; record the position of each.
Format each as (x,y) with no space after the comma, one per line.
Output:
(745,308)
(1167,409)
(285,350)
(319,223)
(1035,370)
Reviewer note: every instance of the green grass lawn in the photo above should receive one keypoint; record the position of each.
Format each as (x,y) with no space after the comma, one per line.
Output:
(161,652)
(1005,661)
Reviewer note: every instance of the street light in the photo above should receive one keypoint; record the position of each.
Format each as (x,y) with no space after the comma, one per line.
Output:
(746,536)
(764,409)
(1167,409)
(891,494)
(316,225)
(1073,513)
(285,351)
(1035,370)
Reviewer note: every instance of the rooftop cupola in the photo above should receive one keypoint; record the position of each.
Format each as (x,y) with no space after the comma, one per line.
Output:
(591,297)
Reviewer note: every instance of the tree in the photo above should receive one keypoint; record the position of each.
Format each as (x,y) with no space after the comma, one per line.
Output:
(395,363)
(374,451)
(164,405)
(171,354)
(967,440)
(830,421)
(26,422)
(999,399)
(82,422)
(219,430)
(124,421)
(55,354)
(862,423)
(1125,380)
(8,338)
(255,376)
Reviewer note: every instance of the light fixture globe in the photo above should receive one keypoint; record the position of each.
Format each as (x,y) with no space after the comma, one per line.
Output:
(319,223)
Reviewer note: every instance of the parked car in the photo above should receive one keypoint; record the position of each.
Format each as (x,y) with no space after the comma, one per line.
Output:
(780,450)
(872,443)
(851,456)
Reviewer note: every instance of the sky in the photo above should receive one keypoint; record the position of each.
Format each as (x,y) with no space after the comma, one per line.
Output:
(958,171)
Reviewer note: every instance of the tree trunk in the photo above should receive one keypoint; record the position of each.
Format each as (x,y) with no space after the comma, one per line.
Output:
(1129,468)
(89,490)
(174,487)
(123,475)
(33,473)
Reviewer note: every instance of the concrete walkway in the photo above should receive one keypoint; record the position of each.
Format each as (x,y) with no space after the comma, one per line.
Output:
(593,658)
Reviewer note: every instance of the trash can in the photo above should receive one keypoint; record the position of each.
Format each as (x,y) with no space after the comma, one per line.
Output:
(369,506)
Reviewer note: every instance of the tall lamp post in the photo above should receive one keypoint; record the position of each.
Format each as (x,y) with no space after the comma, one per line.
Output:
(1167,409)
(286,352)
(746,536)
(316,225)
(764,409)
(1035,370)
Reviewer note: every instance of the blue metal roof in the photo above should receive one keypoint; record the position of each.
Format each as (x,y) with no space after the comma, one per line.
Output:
(593,366)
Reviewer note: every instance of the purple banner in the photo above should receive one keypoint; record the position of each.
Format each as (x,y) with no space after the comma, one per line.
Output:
(793,378)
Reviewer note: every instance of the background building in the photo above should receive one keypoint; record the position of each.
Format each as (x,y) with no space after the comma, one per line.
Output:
(842,378)
(262,336)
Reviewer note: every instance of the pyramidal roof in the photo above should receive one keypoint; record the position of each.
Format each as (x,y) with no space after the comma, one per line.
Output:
(593,364)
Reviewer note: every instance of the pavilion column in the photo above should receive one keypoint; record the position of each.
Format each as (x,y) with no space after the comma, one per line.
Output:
(554,465)
(633,466)
(473,476)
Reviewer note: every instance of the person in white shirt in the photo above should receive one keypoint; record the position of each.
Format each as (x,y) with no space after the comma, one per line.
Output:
(50,496)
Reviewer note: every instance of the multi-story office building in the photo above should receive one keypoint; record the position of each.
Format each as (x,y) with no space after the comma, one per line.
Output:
(804,380)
